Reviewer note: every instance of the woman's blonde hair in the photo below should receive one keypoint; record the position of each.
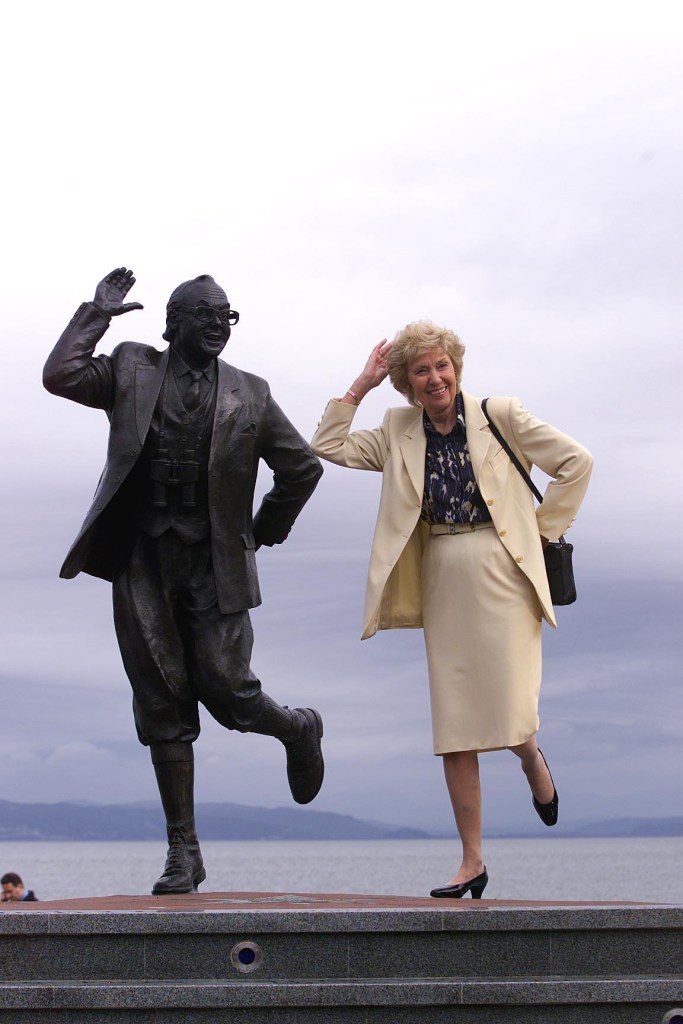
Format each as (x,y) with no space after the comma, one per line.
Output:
(422,336)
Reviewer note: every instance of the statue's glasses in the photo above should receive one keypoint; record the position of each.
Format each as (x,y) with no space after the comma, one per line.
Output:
(206,314)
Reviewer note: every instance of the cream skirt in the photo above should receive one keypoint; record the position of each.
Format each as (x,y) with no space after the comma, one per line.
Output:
(482,629)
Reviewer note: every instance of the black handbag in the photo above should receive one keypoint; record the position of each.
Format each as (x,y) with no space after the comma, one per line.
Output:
(557,554)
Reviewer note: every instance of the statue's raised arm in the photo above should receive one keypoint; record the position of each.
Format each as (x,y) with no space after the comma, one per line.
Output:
(71,371)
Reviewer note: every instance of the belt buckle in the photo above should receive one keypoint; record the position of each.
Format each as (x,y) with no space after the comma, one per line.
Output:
(452,529)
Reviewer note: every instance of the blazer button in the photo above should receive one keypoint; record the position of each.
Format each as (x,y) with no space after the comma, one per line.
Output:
(502,533)
(490,501)
(519,558)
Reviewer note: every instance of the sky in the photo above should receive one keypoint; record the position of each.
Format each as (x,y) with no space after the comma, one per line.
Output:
(510,171)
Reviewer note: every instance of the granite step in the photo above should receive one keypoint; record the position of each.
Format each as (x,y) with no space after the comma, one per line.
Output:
(588,1000)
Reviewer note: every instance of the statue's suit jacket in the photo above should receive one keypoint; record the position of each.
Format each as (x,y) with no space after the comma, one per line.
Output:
(397,450)
(248,425)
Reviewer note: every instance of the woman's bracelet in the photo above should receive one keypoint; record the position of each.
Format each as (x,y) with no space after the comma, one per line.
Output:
(354,396)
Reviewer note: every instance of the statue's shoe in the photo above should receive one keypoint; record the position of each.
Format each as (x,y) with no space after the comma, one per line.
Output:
(305,765)
(184,869)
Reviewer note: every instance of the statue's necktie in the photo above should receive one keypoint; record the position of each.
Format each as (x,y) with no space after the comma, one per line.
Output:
(192,395)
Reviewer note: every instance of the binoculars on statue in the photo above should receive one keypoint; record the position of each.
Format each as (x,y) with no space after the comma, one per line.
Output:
(174,473)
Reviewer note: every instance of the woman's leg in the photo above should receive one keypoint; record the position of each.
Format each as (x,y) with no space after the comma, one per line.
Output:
(535,769)
(462,778)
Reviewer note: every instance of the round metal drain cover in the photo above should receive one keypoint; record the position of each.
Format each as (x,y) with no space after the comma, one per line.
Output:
(246,956)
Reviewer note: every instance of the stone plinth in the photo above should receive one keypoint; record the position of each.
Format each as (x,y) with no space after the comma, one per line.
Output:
(290,958)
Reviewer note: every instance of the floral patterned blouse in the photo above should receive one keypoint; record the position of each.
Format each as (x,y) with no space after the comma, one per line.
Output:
(451,494)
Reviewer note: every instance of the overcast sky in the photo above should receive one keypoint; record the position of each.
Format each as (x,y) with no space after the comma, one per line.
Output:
(506,169)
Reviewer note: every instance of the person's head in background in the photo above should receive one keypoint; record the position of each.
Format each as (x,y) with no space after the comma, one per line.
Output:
(12,887)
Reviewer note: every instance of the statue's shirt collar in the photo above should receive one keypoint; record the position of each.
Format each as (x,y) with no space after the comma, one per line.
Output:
(181,369)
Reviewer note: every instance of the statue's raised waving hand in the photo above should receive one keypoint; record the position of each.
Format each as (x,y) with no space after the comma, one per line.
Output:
(112,290)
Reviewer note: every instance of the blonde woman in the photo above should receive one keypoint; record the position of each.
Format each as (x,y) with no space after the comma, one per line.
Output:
(458,550)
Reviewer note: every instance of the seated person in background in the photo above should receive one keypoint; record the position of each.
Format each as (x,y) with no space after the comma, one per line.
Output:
(14,891)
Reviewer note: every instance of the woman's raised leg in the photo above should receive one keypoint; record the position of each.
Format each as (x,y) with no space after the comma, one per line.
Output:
(535,769)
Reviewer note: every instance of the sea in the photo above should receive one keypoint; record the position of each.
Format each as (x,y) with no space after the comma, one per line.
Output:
(615,869)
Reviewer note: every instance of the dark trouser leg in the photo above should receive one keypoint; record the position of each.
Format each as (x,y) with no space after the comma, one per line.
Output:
(219,653)
(218,647)
(152,646)
(225,683)
(164,701)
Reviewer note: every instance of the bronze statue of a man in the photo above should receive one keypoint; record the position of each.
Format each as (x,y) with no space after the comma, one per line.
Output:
(171,526)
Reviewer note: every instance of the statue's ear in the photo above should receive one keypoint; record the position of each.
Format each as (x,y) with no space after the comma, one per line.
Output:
(171,321)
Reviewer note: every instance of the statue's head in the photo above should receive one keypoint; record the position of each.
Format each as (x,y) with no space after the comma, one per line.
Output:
(198,320)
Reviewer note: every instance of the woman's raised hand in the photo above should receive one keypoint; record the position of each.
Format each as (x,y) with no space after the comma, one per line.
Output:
(374,372)
(376,367)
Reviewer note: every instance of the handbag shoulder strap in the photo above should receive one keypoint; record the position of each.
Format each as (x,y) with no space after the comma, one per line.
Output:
(513,458)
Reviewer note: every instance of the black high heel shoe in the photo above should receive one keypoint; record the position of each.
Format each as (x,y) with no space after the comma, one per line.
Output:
(547,812)
(475,885)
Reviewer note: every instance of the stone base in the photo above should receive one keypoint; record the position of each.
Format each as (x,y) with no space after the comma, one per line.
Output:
(289,958)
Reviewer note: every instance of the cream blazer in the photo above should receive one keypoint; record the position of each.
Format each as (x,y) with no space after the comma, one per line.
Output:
(397,450)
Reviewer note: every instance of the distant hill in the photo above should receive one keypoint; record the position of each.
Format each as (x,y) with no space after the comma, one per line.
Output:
(616,827)
(83,821)
(633,827)
(215,821)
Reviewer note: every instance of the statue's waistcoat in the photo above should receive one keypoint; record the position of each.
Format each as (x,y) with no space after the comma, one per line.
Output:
(171,477)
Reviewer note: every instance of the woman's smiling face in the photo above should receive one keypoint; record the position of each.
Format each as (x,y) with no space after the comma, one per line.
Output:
(431,375)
